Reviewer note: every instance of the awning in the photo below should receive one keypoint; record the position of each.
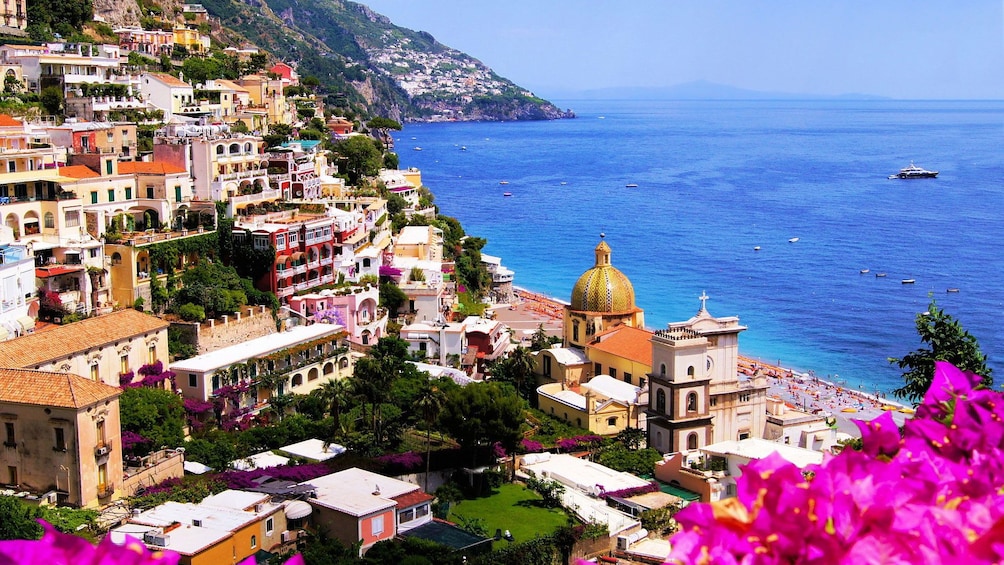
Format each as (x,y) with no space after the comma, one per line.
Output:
(27,322)
(296,509)
(4,334)
(196,468)
(280,259)
(56,270)
(296,256)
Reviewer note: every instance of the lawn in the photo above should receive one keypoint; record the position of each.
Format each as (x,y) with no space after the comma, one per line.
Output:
(512,507)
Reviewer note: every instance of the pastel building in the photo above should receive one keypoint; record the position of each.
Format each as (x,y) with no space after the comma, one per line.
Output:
(623,352)
(61,437)
(17,288)
(356,308)
(295,361)
(356,506)
(697,395)
(437,341)
(489,339)
(101,348)
(150,42)
(604,405)
(168,93)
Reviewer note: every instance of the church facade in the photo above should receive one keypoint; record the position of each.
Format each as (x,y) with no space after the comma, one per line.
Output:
(602,298)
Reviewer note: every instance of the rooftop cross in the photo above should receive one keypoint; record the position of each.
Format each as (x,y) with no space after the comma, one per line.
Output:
(704,299)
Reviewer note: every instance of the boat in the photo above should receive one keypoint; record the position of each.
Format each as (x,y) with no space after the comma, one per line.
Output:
(952,290)
(865,271)
(418,149)
(757,248)
(631,185)
(563,183)
(507,194)
(908,281)
(793,240)
(503,182)
(914,172)
(463,148)
(879,275)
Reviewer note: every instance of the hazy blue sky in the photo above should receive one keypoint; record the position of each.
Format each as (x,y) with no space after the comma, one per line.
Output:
(894,48)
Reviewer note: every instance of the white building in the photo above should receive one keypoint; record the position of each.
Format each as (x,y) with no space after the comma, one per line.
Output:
(437,341)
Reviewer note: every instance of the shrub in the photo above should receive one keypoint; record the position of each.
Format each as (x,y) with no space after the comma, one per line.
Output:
(192,312)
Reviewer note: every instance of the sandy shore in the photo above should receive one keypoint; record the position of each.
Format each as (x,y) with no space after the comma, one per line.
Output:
(803,391)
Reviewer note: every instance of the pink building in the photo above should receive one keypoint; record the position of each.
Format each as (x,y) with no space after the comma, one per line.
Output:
(355,308)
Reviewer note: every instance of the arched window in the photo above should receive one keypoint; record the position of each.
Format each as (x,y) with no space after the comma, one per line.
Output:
(116,258)
(235,148)
(575,331)
(662,369)
(50,220)
(692,402)
(297,379)
(329,368)
(660,401)
(247,147)
(690,371)
(219,150)
(692,440)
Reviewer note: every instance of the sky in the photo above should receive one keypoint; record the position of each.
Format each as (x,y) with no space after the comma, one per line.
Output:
(908,49)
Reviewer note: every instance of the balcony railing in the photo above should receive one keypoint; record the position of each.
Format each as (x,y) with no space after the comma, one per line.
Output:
(106,490)
(102,450)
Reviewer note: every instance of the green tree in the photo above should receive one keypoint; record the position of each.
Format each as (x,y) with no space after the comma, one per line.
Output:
(631,438)
(337,392)
(481,414)
(517,369)
(362,156)
(472,272)
(17,520)
(155,414)
(52,99)
(948,341)
(429,403)
(392,297)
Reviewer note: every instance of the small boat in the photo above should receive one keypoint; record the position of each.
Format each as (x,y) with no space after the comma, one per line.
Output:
(757,248)
(793,240)
(906,410)
(630,185)
(908,281)
(563,183)
(879,275)
(849,410)
(463,148)
(865,271)
(890,408)
(503,182)
(418,149)
(914,172)
(506,194)
(952,290)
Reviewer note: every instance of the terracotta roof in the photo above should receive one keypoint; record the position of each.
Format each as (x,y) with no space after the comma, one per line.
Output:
(627,342)
(170,80)
(231,85)
(148,168)
(78,172)
(35,349)
(42,388)
(412,498)
(7,121)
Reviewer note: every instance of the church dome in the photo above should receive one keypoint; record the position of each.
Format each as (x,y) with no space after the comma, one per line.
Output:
(603,288)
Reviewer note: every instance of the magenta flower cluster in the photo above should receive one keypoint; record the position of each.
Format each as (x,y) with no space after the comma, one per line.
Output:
(531,446)
(578,442)
(929,494)
(296,473)
(132,439)
(406,461)
(652,486)
(65,549)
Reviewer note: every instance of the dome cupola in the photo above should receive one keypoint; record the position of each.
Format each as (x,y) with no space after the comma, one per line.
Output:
(603,288)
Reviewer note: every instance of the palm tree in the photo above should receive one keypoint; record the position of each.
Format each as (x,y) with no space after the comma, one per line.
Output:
(337,393)
(429,402)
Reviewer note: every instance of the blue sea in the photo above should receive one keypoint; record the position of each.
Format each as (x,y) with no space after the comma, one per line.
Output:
(717,179)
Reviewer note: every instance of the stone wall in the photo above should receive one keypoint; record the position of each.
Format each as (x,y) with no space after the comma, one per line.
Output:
(249,323)
(152,469)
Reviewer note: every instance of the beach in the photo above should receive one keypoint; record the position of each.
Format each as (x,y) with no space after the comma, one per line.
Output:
(799,390)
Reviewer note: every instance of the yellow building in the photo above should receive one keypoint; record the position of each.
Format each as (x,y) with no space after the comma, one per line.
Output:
(601,299)
(100,348)
(61,435)
(623,352)
(604,405)
(191,39)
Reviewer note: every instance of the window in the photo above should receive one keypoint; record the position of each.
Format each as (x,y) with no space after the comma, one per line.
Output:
(660,401)
(269,526)
(177,194)
(60,440)
(692,402)
(50,220)
(109,167)
(376,525)
(597,369)
(547,366)
(11,439)
(124,364)
(128,192)
(406,516)
(111,195)
(713,401)
(575,331)
(690,371)
(193,380)
(95,376)
(744,397)
(612,421)
(613,372)
(662,369)
(11,475)
(72,219)
(422,510)
(627,378)
(692,440)
(151,355)
(94,197)
(254,542)
(744,435)
(11,166)
(149,191)
(116,258)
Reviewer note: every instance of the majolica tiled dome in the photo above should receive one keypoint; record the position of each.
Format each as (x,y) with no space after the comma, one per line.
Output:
(603,288)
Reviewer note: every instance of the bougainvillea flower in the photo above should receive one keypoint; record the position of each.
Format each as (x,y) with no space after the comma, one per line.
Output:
(64,549)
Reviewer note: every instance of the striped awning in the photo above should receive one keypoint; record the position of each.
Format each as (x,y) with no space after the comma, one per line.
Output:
(27,322)
(296,509)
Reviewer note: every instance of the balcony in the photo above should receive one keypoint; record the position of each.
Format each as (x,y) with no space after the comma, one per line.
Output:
(105,490)
(283,292)
(300,269)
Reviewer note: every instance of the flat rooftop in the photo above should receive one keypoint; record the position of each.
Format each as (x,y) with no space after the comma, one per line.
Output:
(227,356)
